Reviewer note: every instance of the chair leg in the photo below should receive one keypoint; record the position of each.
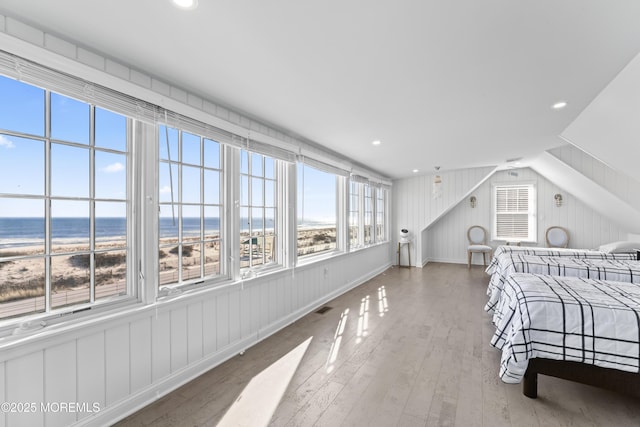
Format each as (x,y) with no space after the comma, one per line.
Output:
(468,259)
(484,259)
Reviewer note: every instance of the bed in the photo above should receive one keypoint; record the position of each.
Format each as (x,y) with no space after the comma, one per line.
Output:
(620,270)
(506,257)
(576,328)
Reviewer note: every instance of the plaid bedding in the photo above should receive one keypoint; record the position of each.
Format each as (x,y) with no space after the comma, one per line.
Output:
(568,318)
(506,258)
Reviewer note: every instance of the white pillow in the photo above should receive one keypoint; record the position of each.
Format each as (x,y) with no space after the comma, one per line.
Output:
(617,247)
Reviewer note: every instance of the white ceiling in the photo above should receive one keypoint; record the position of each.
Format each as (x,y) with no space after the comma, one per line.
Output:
(450,83)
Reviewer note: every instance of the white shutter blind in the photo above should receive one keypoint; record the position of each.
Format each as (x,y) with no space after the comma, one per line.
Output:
(512,212)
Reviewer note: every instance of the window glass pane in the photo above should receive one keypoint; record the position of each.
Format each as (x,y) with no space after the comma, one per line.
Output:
(211,187)
(244,190)
(257,221)
(211,222)
(244,162)
(69,171)
(110,130)
(256,164)
(21,107)
(269,220)
(211,154)
(168,224)
(212,258)
(244,221)
(269,169)
(21,226)
(70,279)
(21,165)
(111,175)
(168,176)
(111,273)
(256,192)
(111,225)
(269,193)
(69,226)
(316,211)
(23,286)
(191,262)
(69,119)
(190,148)
(190,184)
(168,151)
(190,223)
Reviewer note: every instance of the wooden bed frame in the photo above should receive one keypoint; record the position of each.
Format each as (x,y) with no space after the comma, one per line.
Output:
(610,379)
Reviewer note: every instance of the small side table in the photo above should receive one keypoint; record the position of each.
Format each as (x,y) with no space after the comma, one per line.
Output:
(400,244)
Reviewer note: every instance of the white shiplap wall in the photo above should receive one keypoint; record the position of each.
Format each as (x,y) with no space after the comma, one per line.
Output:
(133,358)
(446,240)
(414,206)
(623,186)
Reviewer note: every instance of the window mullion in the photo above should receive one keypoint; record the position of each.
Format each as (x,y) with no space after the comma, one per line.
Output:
(47,203)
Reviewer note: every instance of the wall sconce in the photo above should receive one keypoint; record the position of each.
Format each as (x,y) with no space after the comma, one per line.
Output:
(473,201)
(437,185)
(558,199)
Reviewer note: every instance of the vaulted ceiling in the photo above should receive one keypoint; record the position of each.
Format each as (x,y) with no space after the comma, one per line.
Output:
(459,83)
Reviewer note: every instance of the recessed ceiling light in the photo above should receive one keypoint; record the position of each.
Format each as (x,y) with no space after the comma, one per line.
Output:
(185,4)
(559,105)
(377,142)
(415,171)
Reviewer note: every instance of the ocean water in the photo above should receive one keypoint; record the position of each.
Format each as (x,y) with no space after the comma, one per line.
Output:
(26,231)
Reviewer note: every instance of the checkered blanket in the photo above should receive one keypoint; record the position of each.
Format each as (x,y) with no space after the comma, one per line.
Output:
(511,259)
(568,318)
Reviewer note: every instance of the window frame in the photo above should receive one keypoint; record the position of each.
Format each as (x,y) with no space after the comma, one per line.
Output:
(532,233)
(51,313)
(178,203)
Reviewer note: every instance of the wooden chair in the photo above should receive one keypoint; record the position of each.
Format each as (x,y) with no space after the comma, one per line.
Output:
(557,237)
(477,236)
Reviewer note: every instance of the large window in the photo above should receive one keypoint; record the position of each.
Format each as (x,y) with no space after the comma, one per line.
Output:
(258,210)
(354,214)
(317,212)
(381,217)
(368,214)
(64,199)
(190,213)
(514,212)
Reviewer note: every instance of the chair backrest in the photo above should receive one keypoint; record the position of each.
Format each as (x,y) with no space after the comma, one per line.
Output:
(477,235)
(557,237)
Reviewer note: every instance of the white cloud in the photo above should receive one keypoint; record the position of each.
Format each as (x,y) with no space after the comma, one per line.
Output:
(166,189)
(114,167)
(6,142)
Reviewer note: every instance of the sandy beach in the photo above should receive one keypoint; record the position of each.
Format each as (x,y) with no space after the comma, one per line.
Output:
(22,281)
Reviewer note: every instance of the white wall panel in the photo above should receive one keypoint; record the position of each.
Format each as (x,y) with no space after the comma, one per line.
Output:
(140,345)
(161,344)
(222,320)
(91,370)
(60,382)
(194,328)
(24,384)
(233,309)
(179,332)
(209,326)
(447,241)
(117,353)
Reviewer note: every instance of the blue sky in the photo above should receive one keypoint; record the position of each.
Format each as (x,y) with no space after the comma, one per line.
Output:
(22,160)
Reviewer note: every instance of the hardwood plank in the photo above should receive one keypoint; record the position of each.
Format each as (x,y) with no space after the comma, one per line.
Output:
(426,360)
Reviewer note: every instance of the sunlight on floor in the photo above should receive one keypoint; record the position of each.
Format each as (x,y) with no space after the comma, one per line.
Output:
(363,319)
(383,305)
(337,340)
(260,398)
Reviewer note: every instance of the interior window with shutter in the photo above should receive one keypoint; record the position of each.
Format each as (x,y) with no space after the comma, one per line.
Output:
(514,212)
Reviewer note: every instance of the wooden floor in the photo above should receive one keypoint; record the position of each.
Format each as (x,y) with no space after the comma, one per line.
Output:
(408,348)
